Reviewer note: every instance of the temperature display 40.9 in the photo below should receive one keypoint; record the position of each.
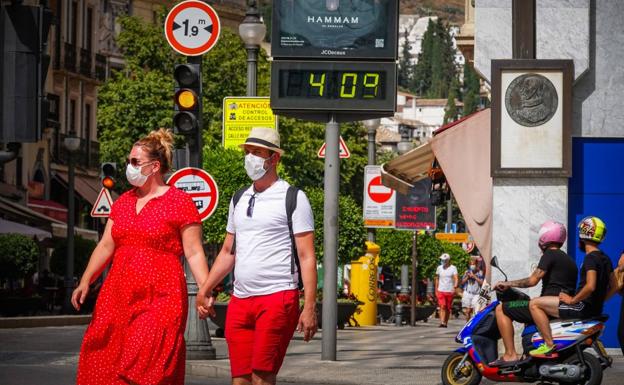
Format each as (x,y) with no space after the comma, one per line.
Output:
(333,86)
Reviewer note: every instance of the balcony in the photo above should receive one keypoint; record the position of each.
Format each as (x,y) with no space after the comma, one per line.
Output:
(85,156)
(70,53)
(86,62)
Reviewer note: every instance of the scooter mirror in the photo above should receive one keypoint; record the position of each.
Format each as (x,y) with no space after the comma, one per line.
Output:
(494,261)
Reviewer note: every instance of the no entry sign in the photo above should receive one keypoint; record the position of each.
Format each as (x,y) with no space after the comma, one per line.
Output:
(201,186)
(192,28)
(379,200)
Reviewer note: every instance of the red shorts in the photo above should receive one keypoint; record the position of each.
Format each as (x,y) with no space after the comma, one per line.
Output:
(258,330)
(445,300)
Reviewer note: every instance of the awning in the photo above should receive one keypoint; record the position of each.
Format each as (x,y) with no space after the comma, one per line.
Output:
(60,230)
(16,212)
(403,171)
(8,227)
(463,151)
(86,186)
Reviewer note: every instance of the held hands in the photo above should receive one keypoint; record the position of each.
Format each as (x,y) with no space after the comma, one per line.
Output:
(566,298)
(79,294)
(205,305)
(307,323)
(502,286)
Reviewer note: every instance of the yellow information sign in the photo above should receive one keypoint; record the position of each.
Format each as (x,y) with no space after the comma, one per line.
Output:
(240,114)
(454,237)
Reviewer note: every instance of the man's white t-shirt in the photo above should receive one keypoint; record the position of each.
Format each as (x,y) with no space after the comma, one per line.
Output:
(263,246)
(445,278)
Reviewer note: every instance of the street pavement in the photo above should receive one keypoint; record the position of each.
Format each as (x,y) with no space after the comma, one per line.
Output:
(365,356)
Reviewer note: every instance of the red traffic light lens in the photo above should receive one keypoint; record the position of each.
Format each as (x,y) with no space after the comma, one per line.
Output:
(108,182)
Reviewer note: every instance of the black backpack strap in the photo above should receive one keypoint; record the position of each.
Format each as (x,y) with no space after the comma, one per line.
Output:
(291,206)
(235,198)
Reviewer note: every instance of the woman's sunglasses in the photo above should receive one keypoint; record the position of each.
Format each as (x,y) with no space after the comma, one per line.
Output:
(136,163)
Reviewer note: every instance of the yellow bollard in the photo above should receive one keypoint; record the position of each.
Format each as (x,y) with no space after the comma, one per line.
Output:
(364,285)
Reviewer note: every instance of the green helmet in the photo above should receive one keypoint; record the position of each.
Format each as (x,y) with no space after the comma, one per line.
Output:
(592,229)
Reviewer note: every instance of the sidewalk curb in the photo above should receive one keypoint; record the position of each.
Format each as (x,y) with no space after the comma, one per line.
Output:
(44,321)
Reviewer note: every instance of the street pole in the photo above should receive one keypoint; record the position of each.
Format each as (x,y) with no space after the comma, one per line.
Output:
(71,212)
(449,212)
(371,127)
(252,31)
(197,335)
(252,64)
(414,274)
(330,229)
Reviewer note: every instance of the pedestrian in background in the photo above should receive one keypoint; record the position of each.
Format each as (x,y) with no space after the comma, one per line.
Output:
(262,247)
(446,282)
(471,284)
(136,335)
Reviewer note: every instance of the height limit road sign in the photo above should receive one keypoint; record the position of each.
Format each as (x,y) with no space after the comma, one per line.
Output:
(192,28)
(201,186)
(379,200)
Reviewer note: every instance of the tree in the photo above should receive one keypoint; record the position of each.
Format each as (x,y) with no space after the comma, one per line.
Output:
(352,234)
(18,256)
(450,110)
(435,70)
(82,252)
(405,65)
(471,90)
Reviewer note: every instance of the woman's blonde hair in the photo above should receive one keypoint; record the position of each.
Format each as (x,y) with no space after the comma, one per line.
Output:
(159,146)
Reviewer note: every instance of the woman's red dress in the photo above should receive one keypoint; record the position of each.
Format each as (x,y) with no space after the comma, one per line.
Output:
(136,335)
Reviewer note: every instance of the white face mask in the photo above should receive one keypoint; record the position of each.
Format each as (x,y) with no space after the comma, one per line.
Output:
(254,166)
(134,175)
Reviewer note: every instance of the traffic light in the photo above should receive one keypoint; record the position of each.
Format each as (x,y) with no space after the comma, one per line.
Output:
(187,98)
(108,172)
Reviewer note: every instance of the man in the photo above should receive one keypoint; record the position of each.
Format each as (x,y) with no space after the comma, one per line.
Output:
(264,310)
(555,269)
(596,279)
(446,283)
(471,284)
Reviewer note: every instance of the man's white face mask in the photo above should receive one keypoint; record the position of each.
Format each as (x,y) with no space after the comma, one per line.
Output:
(254,166)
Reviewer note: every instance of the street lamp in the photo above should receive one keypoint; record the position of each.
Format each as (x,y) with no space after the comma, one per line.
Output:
(252,30)
(71,144)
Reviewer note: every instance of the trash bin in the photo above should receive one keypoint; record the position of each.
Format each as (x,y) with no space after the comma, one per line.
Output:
(364,285)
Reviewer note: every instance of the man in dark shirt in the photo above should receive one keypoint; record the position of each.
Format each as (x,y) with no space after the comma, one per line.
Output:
(596,279)
(557,272)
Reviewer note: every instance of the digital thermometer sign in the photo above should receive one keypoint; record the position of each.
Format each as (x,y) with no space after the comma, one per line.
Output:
(333,86)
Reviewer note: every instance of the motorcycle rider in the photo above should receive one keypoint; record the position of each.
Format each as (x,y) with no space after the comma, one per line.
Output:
(596,279)
(556,270)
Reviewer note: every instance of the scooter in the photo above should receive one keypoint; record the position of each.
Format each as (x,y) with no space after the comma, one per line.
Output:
(581,356)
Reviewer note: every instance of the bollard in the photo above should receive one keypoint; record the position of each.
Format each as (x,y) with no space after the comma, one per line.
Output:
(364,285)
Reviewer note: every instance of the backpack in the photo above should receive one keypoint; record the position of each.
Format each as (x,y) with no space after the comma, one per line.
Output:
(291,205)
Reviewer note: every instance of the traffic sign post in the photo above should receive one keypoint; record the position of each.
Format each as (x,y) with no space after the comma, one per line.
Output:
(240,114)
(192,28)
(379,200)
(201,186)
(343,152)
(103,204)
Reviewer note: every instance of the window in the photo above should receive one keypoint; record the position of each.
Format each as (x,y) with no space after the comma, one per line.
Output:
(88,30)
(87,123)
(71,123)
(73,23)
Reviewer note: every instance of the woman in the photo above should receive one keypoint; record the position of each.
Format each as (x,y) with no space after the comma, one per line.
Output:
(136,335)
(446,282)
(471,283)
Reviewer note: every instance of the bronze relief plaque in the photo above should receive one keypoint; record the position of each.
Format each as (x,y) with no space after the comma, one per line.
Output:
(531,100)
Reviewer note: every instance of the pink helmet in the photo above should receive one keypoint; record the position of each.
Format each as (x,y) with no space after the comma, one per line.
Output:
(551,232)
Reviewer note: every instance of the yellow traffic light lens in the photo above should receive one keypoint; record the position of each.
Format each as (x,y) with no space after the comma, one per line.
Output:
(186,99)
(108,182)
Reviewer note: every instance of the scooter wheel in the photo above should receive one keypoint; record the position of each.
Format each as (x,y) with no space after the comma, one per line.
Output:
(468,374)
(593,371)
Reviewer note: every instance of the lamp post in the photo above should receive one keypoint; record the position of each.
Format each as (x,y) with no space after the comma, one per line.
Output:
(402,147)
(252,30)
(371,127)
(72,144)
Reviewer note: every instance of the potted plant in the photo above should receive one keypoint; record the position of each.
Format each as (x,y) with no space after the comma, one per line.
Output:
(220,308)
(384,305)
(423,309)
(347,306)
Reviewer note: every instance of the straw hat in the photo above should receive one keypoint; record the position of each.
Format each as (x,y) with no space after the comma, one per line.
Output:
(264,137)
